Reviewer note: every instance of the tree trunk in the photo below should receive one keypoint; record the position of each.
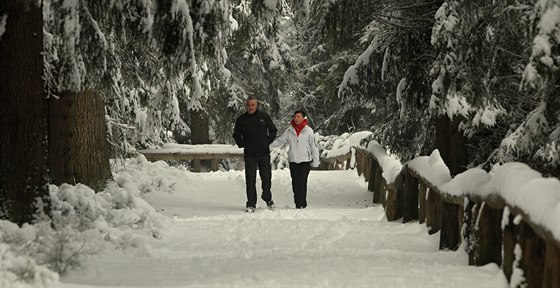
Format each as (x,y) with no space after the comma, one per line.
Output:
(78,145)
(23,113)
(451,144)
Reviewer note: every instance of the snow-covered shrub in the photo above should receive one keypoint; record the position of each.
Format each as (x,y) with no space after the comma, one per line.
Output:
(83,223)
(60,246)
(18,266)
(279,158)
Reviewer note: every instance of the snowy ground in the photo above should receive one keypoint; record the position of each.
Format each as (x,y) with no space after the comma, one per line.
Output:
(340,240)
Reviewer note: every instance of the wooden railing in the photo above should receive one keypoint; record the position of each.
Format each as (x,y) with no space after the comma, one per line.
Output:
(195,153)
(488,224)
(338,162)
(217,152)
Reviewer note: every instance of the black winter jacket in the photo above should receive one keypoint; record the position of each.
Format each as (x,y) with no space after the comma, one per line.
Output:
(254,132)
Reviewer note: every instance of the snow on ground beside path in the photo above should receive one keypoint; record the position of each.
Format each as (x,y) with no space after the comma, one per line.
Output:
(340,240)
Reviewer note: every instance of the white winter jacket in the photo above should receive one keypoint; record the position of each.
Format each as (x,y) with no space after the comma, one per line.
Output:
(302,148)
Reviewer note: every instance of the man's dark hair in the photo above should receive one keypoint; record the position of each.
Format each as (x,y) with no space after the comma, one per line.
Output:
(251,98)
(300,112)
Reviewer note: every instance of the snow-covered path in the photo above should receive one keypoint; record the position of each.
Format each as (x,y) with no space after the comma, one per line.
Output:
(340,240)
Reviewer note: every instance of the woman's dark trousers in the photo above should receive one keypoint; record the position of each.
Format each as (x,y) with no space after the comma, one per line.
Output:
(251,164)
(299,173)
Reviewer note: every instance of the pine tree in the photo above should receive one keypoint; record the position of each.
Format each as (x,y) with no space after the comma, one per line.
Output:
(23,113)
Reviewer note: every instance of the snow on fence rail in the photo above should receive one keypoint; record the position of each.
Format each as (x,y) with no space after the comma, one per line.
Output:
(336,152)
(213,152)
(510,216)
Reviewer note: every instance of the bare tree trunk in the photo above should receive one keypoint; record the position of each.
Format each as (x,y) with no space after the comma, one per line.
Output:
(78,148)
(23,113)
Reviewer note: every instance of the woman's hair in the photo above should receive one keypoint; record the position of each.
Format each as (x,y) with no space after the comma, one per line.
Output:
(300,112)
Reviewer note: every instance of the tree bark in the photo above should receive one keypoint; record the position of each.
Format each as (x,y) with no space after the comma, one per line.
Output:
(78,145)
(451,144)
(23,113)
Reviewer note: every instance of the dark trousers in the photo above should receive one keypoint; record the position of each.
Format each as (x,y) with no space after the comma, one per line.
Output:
(251,164)
(299,173)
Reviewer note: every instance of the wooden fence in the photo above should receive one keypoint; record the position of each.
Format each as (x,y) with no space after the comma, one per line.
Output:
(412,197)
(196,153)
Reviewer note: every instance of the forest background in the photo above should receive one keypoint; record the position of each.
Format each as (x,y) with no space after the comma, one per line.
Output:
(477,80)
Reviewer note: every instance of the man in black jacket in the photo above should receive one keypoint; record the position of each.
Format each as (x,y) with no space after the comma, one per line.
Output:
(254,131)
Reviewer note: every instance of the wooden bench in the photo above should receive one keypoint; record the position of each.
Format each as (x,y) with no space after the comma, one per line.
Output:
(195,153)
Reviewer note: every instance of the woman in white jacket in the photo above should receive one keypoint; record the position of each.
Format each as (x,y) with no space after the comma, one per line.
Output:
(303,153)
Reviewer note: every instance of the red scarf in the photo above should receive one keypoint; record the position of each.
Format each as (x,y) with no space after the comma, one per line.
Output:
(299,127)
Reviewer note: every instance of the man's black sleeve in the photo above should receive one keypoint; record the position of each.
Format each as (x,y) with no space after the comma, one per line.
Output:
(237,135)
(271,130)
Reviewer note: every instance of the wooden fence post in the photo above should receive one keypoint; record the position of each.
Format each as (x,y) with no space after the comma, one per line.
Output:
(450,237)
(359,162)
(377,183)
(551,276)
(372,169)
(422,202)
(196,167)
(484,234)
(368,174)
(532,260)
(469,218)
(383,191)
(393,208)
(215,164)
(509,240)
(410,196)
(433,212)
(489,236)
